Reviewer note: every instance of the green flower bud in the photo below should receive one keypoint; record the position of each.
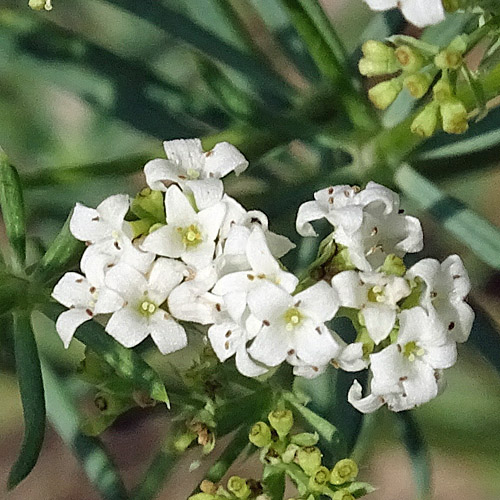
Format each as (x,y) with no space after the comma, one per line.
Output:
(418,84)
(454,116)
(369,67)
(384,93)
(366,340)
(281,421)
(184,441)
(40,4)
(448,59)
(305,439)
(207,486)
(309,459)
(140,227)
(345,471)
(149,204)
(202,496)
(393,265)
(260,435)
(426,122)
(342,495)
(442,90)
(410,59)
(239,487)
(377,51)
(452,5)
(319,479)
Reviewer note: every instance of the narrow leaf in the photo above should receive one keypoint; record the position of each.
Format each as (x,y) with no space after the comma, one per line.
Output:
(482,237)
(12,203)
(64,417)
(32,396)
(417,450)
(61,254)
(126,363)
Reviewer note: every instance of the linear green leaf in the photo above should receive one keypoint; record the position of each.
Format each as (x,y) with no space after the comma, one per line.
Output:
(61,254)
(12,203)
(417,449)
(482,237)
(32,395)
(126,363)
(64,417)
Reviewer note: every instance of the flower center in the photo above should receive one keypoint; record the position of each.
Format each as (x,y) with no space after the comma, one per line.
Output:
(191,236)
(292,318)
(411,350)
(147,308)
(192,173)
(376,294)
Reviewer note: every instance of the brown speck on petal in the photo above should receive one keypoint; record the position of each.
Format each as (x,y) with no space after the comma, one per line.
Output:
(89,312)
(403,379)
(318,329)
(226,345)
(291,352)
(182,177)
(79,280)
(315,369)
(209,153)
(96,218)
(401,211)
(334,364)
(228,334)
(88,243)
(399,348)
(218,307)
(251,277)
(330,190)
(92,289)
(330,200)
(456,276)
(266,323)
(297,304)
(451,325)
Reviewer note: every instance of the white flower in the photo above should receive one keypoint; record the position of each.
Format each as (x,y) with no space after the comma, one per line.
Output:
(188,235)
(263,266)
(376,295)
(109,237)
(446,288)
(84,300)
(293,324)
(406,374)
(195,170)
(142,313)
(419,12)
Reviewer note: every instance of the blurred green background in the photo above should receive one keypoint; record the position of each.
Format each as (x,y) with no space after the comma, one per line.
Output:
(100,84)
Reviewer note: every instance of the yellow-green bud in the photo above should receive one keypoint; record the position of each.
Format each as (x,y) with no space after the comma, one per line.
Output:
(319,479)
(426,122)
(377,51)
(260,434)
(393,265)
(369,67)
(364,337)
(40,4)
(451,5)
(379,59)
(309,459)
(207,486)
(281,421)
(185,440)
(448,59)
(345,471)
(140,227)
(202,496)
(149,204)
(342,495)
(442,90)
(305,439)
(454,116)
(383,94)
(239,487)
(410,59)
(418,84)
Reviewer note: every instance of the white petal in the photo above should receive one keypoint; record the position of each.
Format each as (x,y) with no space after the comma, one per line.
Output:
(441,357)
(416,325)
(166,333)
(388,366)
(160,173)
(232,282)
(313,347)
(185,152)
(351,359)
(211,219)
(187,304)
(199,256)
(381,4)
(247,366)
(368,404)
(308,212)
(165,241)
(206,192)
(126,281)
(178,209)
(236,242)
(271,346)
(278,244)
(454,267)
(421,387)
(414,240)
(107,301)
(135,257)
(128,327)
(319,302)
(165,275)
(225,339)
(350,289)
(86,224)
(73,290)
(269,302)
(113,210)
(463,325)
(67,323)
(222,159)
(423,12)
(379,321)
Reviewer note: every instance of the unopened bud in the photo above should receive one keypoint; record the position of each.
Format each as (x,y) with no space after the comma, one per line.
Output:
(442,90)
(207,486)
(281,421)
(454,116)
(149,204)
(202,496)
(319,479)
(448,59)
(368,67)
(393,265)
(342,495)
(305,439)
(426,122)
(184,441)
(309,459)
(260,434)
(383,94)
(239,487)
(377,51)
(40,4)
(379,59)
(410,59)
(451,5)
(345,471)
(418,84)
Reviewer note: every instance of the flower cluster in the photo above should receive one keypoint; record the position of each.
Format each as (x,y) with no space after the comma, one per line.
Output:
(184,252)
